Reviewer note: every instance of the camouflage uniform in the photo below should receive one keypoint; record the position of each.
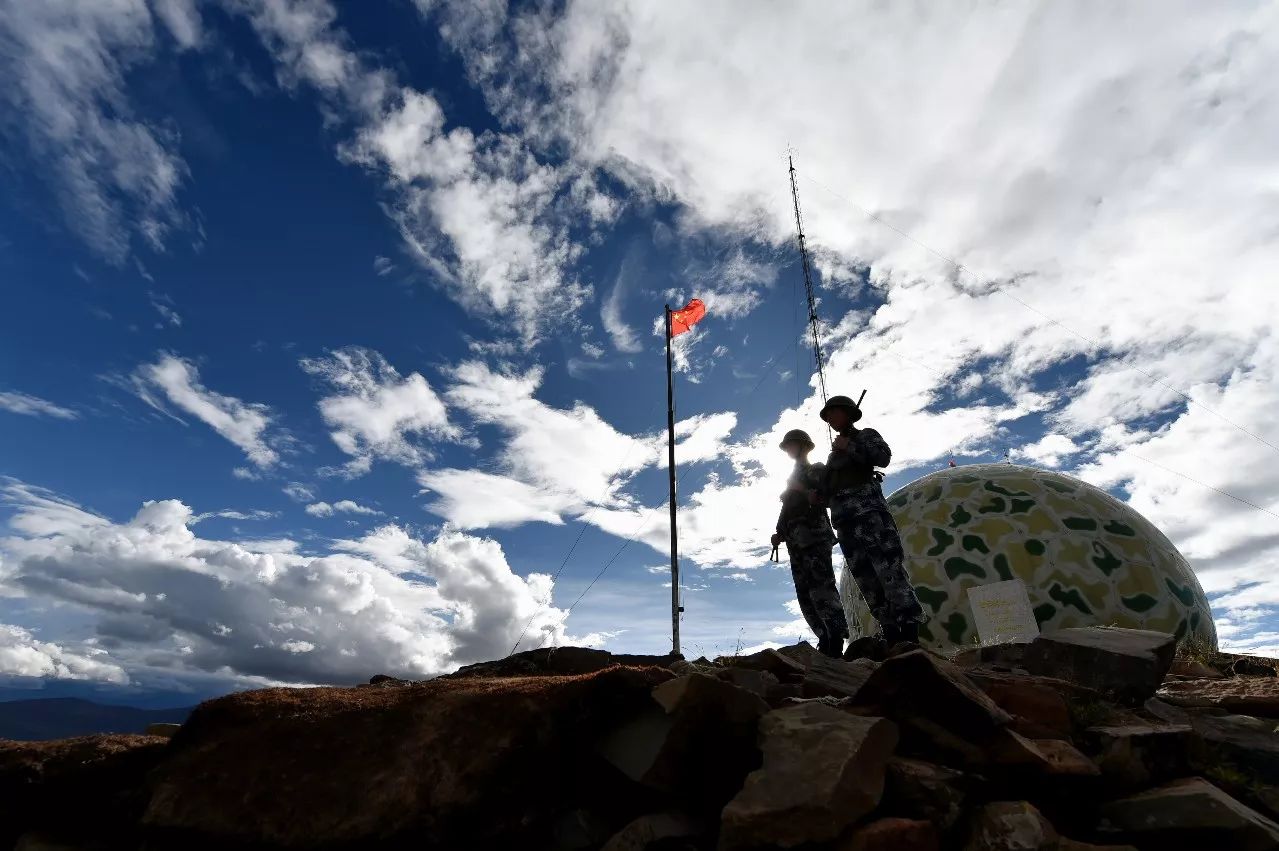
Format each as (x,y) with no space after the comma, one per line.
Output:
(809,540)
(867,534)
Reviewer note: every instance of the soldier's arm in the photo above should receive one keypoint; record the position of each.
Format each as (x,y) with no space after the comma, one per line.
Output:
(873,448)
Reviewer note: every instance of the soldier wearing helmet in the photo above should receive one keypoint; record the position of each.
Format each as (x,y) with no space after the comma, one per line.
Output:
(865,528)
(804,527)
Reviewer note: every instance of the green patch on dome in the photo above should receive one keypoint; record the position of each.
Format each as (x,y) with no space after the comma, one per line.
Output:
(943,539)
(994,488)
(1044,612)
(995,506)
(963,480)
(1105,559)
(1057,486)
(959,516)
(974,544)
(1194,620)
(926,633)
(1181,630)
(1184,593)
(931,597)
(1080,524)
(1069,597)
(935,495)
(956,625)
(1116,528)
(1021,506)
(1140,602)
(900,500)
(957,567)
(1002,568)
(1034,546)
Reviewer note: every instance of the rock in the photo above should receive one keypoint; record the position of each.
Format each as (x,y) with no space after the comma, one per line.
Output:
(88,788)
(1134,757)
(1126,664)
(1011,750)
(277,767)
(386,681)
(803,653)
(696,741)
(1193,669)
(925,738)
(867,647)
(756,682)
(1011,826)
(1243,695)
(781,666)
(1065,760)
(162,730)
(1190,813)
(836,678)
(922,685)
(892,834)
(545,661)
(579,829)
(823,769)
(1037,704)
(647,831)
(1243,666)
(783,692)
(923,790)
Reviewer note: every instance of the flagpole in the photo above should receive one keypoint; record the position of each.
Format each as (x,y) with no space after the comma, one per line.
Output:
(670,451)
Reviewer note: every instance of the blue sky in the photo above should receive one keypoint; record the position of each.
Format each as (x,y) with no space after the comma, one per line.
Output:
(363,302)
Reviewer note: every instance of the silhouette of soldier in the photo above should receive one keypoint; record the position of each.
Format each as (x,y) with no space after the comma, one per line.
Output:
(866,531)
(803,526)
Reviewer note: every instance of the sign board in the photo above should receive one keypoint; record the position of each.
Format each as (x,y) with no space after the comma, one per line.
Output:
(1001,612)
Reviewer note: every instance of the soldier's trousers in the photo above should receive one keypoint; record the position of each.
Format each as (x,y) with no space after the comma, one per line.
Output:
(814,576)
(873,549)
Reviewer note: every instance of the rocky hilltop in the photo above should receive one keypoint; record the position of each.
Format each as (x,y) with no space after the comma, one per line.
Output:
(1089,738)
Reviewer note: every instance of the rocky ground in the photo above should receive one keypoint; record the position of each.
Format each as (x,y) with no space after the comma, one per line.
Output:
(1082,739)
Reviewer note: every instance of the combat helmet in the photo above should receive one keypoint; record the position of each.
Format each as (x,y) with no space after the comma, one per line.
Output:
(854,412)
(796,435)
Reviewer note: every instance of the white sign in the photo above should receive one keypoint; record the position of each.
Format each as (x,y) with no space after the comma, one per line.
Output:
(1001,612)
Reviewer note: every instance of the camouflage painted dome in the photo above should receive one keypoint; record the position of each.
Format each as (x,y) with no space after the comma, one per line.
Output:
(1086,558)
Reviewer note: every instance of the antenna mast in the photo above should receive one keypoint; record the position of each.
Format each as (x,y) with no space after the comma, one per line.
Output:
(808,283)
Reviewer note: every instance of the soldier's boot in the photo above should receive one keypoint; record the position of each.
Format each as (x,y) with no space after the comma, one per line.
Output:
(867,647)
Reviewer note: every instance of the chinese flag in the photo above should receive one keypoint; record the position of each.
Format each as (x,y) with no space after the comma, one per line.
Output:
(686,317)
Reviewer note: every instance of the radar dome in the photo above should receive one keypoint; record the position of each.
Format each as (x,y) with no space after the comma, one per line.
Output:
(1086,558)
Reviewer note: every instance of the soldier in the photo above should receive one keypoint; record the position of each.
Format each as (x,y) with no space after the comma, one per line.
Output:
(867,534)
(803,525)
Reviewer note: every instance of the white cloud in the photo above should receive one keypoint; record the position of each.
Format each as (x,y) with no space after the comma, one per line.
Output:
(160,596)
(299,492)
(33,406)
(115,176)
(383,266)
(623,335)
(1049,450)
(22,655)
(182,19)
(245,424)
(342,506)
(375,412)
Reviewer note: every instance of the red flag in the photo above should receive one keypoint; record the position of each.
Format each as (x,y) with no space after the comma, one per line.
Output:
(686,317)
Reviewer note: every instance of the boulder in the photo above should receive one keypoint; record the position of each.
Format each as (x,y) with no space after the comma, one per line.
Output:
(1248,744)
(892,834)
(836,678)
(1065,760)
(1126,664)
(781,666)
(924,790)
(277,767)
(1193,669)
(927,739)
(756,682)
(1011,826)
(920,684)
(823,769)
(1244,695)
(1134,757)
(649,831)
(696,740)
(1190,814)
(88,788)
(1012,750)
(803,653)
(387,681)
(1037,704)
(1238,665)
(163,730)
(782,692)
(546,661)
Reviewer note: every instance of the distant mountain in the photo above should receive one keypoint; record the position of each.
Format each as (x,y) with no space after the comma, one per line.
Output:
(63,717)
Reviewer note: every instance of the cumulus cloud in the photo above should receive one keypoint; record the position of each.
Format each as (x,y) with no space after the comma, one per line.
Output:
(161,596)
(33,406)
(1049,451)
(375,413)
(342,506)
(23,655)
(176,381)
(115,175)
